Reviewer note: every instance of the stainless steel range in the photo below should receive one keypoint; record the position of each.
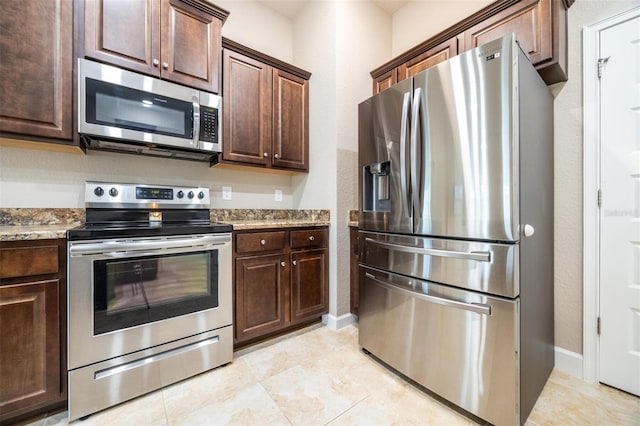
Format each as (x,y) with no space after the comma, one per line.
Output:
(149,293)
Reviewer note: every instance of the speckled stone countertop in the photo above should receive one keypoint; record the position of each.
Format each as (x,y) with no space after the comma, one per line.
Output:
(38,224)
(41,223)
(353,218)
(243,219)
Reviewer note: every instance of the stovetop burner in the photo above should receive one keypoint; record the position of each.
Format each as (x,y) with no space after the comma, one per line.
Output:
(117,210)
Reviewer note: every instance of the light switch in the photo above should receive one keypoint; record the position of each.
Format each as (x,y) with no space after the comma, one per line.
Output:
(278,195)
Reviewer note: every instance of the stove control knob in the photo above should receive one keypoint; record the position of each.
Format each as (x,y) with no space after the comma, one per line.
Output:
(190,194)
(113,192)
(98,191)
(201,195)
(180,194)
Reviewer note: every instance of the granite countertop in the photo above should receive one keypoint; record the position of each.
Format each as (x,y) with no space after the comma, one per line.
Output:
(34,232)
(240,224)
(40,224)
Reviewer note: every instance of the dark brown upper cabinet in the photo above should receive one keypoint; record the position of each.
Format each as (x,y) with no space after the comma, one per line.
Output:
(266,111)
(177,40)
(431,57)
(540,27)
(36,70)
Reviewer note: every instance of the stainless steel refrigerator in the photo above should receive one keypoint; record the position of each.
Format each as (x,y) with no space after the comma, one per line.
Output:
(456,227)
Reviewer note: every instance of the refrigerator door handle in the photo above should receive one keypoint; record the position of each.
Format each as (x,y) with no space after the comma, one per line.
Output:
(406,201)
(480,256)
(479,308)
(415,126)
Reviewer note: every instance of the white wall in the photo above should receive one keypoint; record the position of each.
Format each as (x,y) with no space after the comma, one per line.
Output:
(256,26)
(420,20)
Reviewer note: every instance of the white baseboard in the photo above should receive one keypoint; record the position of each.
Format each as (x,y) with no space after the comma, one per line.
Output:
(568,362)
(336,323)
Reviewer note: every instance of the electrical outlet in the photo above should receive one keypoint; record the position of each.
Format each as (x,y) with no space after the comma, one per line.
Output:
(278,194)
(226,192)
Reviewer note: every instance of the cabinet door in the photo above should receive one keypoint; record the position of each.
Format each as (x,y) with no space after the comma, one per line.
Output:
(246,110)
(290,121)
(191,46)
(431,57)
(534,23)
(36,68)
(30,350)
(309,284)
(124,33)
(260,295)
(385,81)
(354,257)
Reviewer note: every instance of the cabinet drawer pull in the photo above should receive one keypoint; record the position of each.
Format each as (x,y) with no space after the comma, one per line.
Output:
(311,238)
(263,242)
(294,263)
(282,264)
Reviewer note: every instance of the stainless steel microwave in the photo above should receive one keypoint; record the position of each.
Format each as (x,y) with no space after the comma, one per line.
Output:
(123,111)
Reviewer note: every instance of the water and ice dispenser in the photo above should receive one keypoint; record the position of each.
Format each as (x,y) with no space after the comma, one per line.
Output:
(375,192)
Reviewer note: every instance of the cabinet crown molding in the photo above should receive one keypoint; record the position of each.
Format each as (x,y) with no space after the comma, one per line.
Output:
(453,31)
(264,58)
(209,8)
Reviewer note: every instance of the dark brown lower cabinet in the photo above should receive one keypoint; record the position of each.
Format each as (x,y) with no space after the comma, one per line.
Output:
(309,274)
(354,274)
(32,328)
(260,295)
(281,280)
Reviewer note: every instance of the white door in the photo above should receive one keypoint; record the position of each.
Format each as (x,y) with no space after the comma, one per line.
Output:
(620,208)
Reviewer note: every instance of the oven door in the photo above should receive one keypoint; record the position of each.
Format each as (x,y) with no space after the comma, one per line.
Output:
(130,294)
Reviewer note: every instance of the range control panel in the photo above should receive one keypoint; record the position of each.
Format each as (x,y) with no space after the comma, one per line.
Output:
(132,195)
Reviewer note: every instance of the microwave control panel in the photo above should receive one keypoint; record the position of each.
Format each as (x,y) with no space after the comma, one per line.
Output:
(208,124)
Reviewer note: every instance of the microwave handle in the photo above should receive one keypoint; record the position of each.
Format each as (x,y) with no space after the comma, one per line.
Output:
(196,121)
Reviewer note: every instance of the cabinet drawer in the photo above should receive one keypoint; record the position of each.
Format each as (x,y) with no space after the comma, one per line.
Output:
(260,241)
(27,261)
(309,238)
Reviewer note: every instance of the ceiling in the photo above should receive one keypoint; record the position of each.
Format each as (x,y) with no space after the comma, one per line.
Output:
(290,8)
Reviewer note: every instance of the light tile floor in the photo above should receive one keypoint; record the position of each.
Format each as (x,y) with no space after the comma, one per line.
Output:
(320,377)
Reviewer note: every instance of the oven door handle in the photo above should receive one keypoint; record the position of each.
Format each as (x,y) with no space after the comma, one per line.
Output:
(121,246)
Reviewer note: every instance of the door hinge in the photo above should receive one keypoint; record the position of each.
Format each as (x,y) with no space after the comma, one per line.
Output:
(599,198)
(598,326)
(601,63)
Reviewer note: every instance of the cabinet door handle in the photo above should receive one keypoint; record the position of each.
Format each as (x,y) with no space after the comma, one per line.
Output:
(165,65)
(276,156)
(294,263)
(266,154)
(311,238)
(262,242)
(282,264)
(156,62)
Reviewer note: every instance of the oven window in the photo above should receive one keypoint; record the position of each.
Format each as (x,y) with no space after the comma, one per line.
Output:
(126,108)
(138,290)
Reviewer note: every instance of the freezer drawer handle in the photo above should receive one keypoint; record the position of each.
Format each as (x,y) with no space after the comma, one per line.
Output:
(480,256)
(479,308)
